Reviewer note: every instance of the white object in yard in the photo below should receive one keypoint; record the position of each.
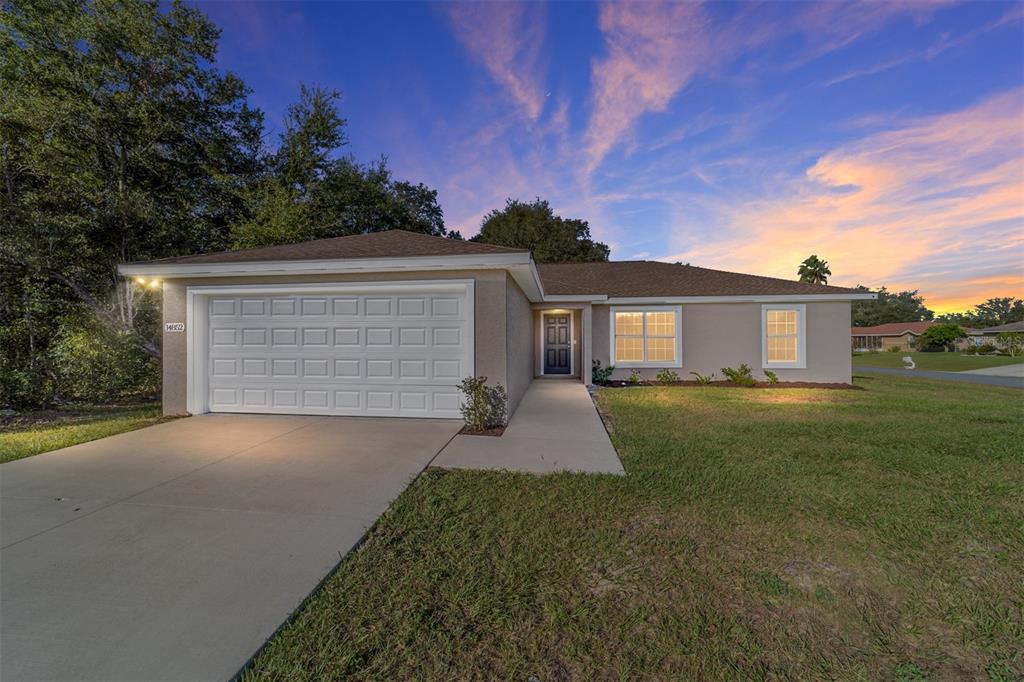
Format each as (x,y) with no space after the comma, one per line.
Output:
(908,362)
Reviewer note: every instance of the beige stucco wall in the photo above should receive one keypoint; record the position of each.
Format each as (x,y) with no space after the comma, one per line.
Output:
(518,343)
(717,335)
(491,348)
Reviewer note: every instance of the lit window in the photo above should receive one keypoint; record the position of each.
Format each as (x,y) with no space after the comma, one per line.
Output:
(784,341)
(646,337)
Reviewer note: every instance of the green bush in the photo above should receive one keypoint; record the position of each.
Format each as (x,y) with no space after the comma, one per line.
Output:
(702,379)
(1012,342)
(667,376)
(893,349)
(985,349)
(598,374)
(485,406)
(771,376)
(94,364)
(635,377)
(741,376)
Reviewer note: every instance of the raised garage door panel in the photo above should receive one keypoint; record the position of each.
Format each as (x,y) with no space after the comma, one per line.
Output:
(376,354)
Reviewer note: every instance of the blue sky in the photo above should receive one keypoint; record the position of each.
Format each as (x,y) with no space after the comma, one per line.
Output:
(886,138)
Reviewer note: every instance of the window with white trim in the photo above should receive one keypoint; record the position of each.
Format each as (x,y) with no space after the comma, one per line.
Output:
(647,337)
(783,335)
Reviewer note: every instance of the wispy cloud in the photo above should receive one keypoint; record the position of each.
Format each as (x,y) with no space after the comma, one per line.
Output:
(938,200)
(655,49)
(1012,17)
(506,37)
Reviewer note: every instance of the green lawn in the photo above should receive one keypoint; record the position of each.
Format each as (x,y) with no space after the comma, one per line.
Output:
(34,433)
(759,534)
(943,362)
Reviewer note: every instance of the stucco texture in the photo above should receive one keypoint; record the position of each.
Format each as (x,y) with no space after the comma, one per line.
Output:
(717,335)
(493,301)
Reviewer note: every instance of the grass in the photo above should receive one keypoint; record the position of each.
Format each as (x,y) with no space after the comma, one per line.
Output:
(943,362)
(784,534)
(34,433)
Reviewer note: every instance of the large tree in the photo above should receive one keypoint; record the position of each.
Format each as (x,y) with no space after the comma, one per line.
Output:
(900,306)
(992,312)
(307,190)
(814,270)
(118,142)
(535,226)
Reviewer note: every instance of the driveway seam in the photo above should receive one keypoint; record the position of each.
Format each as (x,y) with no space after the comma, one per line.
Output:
(157,485)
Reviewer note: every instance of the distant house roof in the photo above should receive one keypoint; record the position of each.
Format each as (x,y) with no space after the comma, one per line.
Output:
(639,279)
(893,329)
(1008,327)
(387,244)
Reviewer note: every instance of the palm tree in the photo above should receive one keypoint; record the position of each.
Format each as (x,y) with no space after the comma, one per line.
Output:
(814,271)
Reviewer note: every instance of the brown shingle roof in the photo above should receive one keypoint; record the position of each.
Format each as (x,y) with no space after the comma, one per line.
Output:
(1008,327)
(388,244)
(892,329)
(654,279)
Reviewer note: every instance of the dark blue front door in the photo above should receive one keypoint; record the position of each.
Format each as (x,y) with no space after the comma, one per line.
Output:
(557,345)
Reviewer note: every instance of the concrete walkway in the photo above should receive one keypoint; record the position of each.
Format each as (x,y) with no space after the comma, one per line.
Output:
(173,552)
(556,428)
(963,377)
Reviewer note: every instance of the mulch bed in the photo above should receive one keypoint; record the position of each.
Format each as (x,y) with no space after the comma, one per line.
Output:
(729,384)
(496,431)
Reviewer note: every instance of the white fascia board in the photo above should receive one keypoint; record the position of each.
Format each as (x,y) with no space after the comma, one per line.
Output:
(576,298)
(325,266)
(519,265)
(528,280)
(788,298)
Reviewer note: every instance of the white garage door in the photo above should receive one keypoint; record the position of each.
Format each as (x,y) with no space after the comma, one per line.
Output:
(387,351)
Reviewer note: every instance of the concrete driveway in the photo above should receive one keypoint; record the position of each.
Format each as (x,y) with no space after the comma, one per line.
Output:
(173,552)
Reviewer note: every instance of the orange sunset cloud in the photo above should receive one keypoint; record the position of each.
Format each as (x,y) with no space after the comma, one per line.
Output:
(936,205)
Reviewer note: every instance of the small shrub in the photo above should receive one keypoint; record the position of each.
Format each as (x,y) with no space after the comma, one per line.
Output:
(667,376)
(599,374)
(893,349)
(634,377)
(986,348)
(702,379)
(485,406)
(771,376)
(741,376)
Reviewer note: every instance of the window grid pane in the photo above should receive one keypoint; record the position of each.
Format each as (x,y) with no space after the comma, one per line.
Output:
(661,350)
(661,324)
(781,327)
(629,324)
(645,336)
(629,349)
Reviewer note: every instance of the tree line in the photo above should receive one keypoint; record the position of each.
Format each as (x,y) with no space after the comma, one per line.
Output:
(120,141)
(908,306)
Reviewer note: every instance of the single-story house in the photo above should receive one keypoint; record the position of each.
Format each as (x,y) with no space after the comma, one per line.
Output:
(900,335)
(388,323)
(987,335)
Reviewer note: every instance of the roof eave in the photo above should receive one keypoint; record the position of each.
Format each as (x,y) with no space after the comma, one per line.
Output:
(519,264)
(744,298)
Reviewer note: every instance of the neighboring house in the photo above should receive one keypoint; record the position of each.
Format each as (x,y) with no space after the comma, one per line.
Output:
(979,337)
(388,323)
(900,335)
